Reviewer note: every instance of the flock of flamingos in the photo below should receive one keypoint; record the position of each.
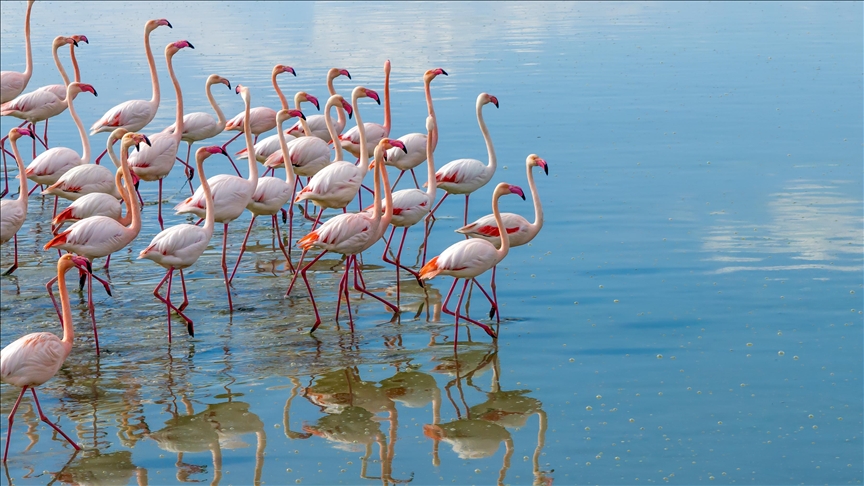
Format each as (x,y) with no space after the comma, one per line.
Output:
(99,195)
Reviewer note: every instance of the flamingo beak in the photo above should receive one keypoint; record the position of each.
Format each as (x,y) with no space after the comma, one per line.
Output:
(169,24)
(545,165)
(441,71)
(227,83)
(147,141)
(344,72)
(84,38)
(224,152)
(74,43)
(30,133)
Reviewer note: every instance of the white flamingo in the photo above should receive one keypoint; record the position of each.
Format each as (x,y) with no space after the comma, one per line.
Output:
(13,212)
(266,148)
(316,123)
(13,83)
(350,140)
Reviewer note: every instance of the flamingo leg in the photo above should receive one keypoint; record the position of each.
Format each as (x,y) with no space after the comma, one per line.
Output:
(45,135)
(384,257)
(294,278)
(466,212)
(399,259)
(53,300)
(161,223)
(5,171)
(309,288)
(185,295)
(393,186)
(494,296)
(490,299)
(282,243)
(190,171)
(345,287)
(44,418)
(225,265)
(99,158)
(447,311)
(456,332)
(318,219)
(268,171)
(242,248)
(15,264)
(168,298)
(432,213)
(92,310)
(362,288)
(416,184)
(11,420)
(54,214)
(169,305)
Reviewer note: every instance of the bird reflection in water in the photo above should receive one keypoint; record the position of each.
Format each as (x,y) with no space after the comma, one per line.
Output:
(94,467)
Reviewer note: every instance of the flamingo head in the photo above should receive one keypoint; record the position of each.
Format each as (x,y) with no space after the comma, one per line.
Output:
(81,38)
(347,107)
(389,143)
(281,68)
(432,73)
(243,91)
(77,261)
(304,96)
(60,41)
(151,25)
(16,133)
(361,92)
(117,134)
(174,47)
(344,72)
(134,139)
(511,189)
(535,160)
(208,151)
(74,88)
(288,114)
(216,79)
(487,98)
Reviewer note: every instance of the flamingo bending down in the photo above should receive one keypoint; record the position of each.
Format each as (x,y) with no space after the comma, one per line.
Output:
(101,236)
(231,194)
(33,359)
(415,142)
(13,212)
(271,194)
(352,233)
(335,185)
(519,230)
(350,140)
(469,258)
(180,246)
(464,176)
(155,162)
(13,83)
(134,115)
(316,123)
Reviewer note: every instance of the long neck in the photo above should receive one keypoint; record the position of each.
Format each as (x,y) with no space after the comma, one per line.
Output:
(221,120)
(302,120)
(250,147)
(111,153)
(85,142)
(68,329)
(387,103)
(28,51)
(486,137)
(340,112)
(178,122)
(505,237)
(129,194)
(376,206)
(60,66)
(289,169)
(388,199)
(332,130)
(22,176)
(154,78)
(118,183)
(282,98)
(210,211)
(432,184)
(538,207)
(364,155)
(428,89)
(75,67)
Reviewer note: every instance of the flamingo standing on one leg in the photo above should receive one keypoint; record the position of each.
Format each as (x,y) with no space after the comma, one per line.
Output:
(13,83)
(415,142)
(464,176)
(316,123)
(33,359)
(271,194)
(352,233)
(231,194)
(180,246)
(350,140)
(100,236)
(155,162)
(134,115)
(13,212)
(520,231)
(467,259)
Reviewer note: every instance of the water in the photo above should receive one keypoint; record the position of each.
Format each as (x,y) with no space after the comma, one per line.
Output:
(691,311)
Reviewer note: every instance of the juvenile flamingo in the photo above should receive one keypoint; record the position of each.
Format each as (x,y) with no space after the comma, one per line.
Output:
(467,259)
(33,359)
(316,123)
(154,163)
(13,212)
(13,83)
(231,194)
(519,230)
(133,115)
(100,236)
(350,140)
(352,233)
(272,194)
(180,246)
(464,176)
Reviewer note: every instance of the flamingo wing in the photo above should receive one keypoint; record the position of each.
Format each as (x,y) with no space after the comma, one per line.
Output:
(93,204)
(12,83)
(460,171)
(199,126)
(178,246)
(32,359)
(83,179)
(50,165)
(35,100)
(415,143)
(317,127)
(132,115)
(12,217)
(487,229)
(345,233)
(467,258)
(92,237)
(154,161)
(336,177)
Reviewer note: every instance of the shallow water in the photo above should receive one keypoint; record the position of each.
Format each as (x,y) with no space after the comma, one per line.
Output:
(691,310)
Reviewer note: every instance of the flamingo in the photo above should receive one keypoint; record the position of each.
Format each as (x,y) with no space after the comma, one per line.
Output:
(350,140)
(316,123)
(264,149)
(133,115)
(231,194)
(464,176)
(271,194)
(180,246)
(155,162)
(519,230)
(415,142)
(336,185)
(13,212)
(33,359)
(13,83)
(352,233)
(469,258)
(200,126)
(101,236)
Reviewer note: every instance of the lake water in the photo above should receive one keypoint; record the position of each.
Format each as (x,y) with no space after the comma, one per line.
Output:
(691,310)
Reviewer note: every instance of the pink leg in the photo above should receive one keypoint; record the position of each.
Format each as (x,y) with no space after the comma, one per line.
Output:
(309,288)
(92,310)
(393,186)
(351,259)
(53,426)
(384,257)
(294,278)
(282,243)
(445,310)
(225,265)
(54,214)
(362,288)
(242,248)
(399,258)
(11,420)
(185,295)
(45,135)
(229,157)
(416,184)
(432,213)
(107,262)
(99,158)
(268,171)
(161,223)
(494,297)
(318,219)
(490,299)
(169,306)
(466,212)
(190,171)
(15,264)
(458,306)
(53,300)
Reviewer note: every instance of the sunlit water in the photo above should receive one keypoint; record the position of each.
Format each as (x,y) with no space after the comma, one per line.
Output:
(691,310)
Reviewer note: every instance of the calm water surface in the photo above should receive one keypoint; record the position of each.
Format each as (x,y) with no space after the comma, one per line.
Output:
(690,312)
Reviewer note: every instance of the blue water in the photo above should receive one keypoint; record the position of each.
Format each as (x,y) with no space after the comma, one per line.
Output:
(690,312)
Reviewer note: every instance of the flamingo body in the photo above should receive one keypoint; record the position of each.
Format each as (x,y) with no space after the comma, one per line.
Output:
(308,155)
(50,165)
(485,228)
(231,194)
(155,161)
(33,359)
(409,207)
(94,237)
(133,115)
(178,246)
(12,216)
(350,140)
(264,148)
(464,259)
(416,155)
(197,126)
(261,119)
(93,204)
(463,176)
(317,127)
(82,180)
(270,195)
(347,233)
(12,84)
(36,106)
(334,186)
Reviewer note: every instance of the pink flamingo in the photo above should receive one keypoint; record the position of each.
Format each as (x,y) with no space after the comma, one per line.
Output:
(265,149)
(134,115)
(155,162)
(350,140)
(467,259)
(13,212)
(180,246)
(464,176)
(351,234)
(33,359)
(415,142)
(316,123)
(519,230)
(13,83)
(271,194)
(231,194)
(100,236)
(335,185)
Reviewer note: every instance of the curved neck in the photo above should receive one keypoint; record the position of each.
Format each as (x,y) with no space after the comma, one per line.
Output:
(22,175)
(289,169)
(505,237)
(178,122)
(363,161)
(489,148)
(282,98)
(250,147)
(302,120)
(221,121)
(538,208)
(68,329)
(85,142)
(75,67)
(387,102)
(28,51)
(332,130)
(340,112)
(129,194)
(154,78)
(210,211)
(118,183)
(111,153)
(376,206)
(388,200)
(60,66)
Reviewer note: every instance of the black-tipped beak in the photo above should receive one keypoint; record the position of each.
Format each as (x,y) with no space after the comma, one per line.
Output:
(379,101)
(237,89)
(522,196)
(86,41)
(95,93)
(496,104)
(147,141)
(74,43)
(89,267)
(190,45)
(229,84)
(444,72)
(546,169)
(137,147)
(32,135)
(302,116)
(136,184)
(349,75)
(169,25)
(316,106)
(224,152)
(405,149)
(350,114)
